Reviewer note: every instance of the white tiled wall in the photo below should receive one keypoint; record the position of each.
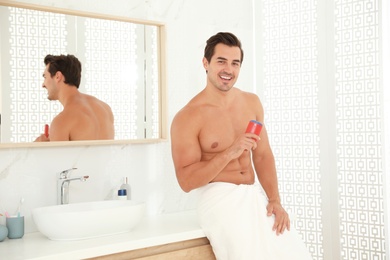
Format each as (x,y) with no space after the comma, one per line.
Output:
(31,172)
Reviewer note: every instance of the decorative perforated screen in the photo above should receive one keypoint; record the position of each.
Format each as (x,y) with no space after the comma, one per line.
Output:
(291,103)
(291,100)
(31,33)
(110,50)
(359,129)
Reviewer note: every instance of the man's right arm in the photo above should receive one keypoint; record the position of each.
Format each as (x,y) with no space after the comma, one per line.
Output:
(191,171)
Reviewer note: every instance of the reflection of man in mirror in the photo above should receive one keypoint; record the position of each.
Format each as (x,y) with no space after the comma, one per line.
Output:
(84,117)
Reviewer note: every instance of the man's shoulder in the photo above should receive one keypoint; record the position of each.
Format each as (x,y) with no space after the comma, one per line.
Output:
(245,93)
(190,114)
(248,96)
(188,111)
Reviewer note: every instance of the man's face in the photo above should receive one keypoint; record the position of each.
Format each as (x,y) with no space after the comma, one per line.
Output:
(49,83)
(224,67)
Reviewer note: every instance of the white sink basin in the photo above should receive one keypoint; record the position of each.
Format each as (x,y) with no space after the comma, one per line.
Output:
(88,219)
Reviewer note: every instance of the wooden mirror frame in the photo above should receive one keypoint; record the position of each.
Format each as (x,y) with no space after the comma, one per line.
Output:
(162,77)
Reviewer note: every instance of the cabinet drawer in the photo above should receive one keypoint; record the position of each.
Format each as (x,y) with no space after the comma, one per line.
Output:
(194,249)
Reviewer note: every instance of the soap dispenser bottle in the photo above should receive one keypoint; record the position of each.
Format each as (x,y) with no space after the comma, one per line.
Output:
(122,194)
(126,186)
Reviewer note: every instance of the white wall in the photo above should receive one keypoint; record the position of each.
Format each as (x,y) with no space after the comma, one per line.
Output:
(31,172)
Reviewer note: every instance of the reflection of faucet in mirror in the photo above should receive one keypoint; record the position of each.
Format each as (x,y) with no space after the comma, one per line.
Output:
(83,117)
(63,183)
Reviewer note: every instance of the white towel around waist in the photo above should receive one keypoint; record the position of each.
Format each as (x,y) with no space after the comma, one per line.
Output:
(234,219)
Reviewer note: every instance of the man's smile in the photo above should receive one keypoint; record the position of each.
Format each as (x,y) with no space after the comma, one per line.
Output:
(225,77)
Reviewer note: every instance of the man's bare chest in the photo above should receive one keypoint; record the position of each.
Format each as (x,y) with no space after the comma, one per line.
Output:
(219,130)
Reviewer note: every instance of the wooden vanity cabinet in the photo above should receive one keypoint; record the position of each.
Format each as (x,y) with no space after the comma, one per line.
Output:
(194,249)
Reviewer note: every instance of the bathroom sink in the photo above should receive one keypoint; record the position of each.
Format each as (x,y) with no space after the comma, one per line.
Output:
(88,219)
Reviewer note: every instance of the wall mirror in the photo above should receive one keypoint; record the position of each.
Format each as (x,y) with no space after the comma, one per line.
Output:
(123,65)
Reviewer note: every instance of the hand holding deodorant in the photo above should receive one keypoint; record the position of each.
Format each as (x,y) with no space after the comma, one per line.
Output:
(254,127)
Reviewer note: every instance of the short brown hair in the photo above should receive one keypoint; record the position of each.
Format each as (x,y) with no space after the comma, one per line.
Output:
(68,65)
(226,38)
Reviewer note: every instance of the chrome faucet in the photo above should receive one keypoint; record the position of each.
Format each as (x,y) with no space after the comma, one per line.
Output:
(63,183)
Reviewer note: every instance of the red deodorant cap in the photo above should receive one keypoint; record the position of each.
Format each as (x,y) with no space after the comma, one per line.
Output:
(254,127)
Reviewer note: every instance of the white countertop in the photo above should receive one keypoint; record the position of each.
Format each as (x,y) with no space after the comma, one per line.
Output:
(152,231)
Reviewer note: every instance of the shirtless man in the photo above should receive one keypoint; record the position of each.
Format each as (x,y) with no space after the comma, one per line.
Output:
(84,117)
(209,143)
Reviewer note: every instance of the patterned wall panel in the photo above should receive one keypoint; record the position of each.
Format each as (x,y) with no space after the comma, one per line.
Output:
(111,60)
(291,103)
(359,129)
(31,33)
(291,110)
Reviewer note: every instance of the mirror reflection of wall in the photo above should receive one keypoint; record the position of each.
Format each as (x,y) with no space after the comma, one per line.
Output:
(119,66)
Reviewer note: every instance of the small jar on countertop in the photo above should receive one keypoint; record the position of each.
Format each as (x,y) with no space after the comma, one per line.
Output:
(3,232)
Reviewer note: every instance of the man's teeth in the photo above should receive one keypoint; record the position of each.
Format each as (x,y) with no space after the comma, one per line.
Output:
(226,77)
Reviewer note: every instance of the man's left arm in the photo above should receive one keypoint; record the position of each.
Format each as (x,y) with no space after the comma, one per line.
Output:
(264,163)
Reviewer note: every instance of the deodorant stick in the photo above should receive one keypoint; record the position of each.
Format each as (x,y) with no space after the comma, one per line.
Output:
(254,127)
(47,130)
